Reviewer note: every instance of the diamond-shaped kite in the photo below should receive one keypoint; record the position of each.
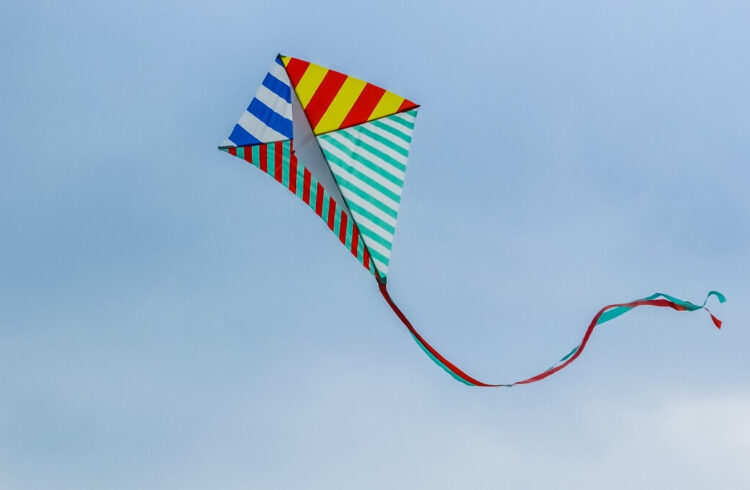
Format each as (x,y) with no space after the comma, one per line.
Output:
(341,144)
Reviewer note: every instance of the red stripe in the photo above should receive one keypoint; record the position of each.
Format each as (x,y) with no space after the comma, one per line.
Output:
(364,105)
(295,69)
(355,240)
(278,149)
(406,105)
(263,160)
(293,173)
(306,187)
(342,228)
(366,258)
(232,150)
(319,200)
(248,154)
(331,213)
(323,96)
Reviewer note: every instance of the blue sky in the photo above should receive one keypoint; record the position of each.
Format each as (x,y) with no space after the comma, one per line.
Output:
(172,318)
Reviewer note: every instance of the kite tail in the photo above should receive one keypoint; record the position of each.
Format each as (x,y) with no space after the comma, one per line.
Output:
(606,314)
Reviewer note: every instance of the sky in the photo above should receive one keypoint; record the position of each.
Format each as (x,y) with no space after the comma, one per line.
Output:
(170,317)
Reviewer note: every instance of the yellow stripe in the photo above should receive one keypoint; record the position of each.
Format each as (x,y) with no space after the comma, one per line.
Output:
(340,105)
(387,105)
(309,83)
(285,60)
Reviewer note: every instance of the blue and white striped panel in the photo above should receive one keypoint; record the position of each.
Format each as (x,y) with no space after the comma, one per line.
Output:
(269,116)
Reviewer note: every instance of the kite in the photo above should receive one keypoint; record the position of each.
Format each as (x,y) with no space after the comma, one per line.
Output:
(341,144)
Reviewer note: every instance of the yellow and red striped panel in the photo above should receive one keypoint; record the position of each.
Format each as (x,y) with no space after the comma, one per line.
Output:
(333,100)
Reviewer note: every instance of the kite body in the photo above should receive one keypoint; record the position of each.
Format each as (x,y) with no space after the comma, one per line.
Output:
(341,145)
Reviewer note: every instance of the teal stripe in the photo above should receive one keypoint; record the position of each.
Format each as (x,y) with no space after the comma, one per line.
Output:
(363,177)
(402,121)
(375,236)
(313,192)
(364,195)
(285,167)
(337,221)
(324,211)
(300,180)
(612,314)
(241,153)
(270,159)
(378,153)
(367,214)
(358,156)
(384,141)
(395,132)
(567,356)
(361,249)
(377,157)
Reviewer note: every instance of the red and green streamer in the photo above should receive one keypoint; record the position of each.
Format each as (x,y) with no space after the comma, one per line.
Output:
(605,314)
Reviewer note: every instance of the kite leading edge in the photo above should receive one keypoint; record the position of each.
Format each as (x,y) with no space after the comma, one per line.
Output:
(353,139)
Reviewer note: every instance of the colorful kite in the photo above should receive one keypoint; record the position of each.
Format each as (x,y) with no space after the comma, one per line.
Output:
(340,144)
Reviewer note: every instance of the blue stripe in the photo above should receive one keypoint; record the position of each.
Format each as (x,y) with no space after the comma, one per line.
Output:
(278,60)
(240,137)
(278,87)
(273,120)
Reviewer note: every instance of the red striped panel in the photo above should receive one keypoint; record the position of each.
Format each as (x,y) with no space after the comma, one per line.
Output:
(263,163)
(293,173)
(342,228)
(295,69)
(364,105)
(306,187)
(232,151)
(319,200)
(323,96)
(331,213)
(406,105)
(248,154)
(279,148)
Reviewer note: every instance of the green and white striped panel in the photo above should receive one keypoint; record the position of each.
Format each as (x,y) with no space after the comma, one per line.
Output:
(368,162)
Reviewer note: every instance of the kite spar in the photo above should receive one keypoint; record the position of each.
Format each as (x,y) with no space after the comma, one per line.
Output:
(341,145)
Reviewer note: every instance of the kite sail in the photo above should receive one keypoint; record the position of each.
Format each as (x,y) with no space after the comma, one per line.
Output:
(341,145)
